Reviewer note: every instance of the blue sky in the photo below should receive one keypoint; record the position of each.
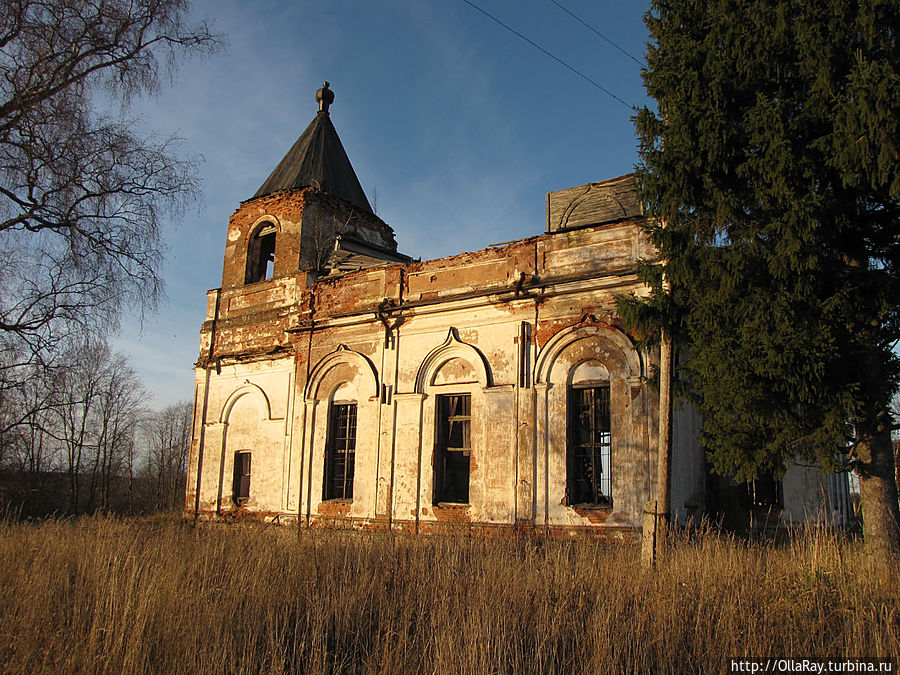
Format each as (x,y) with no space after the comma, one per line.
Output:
(459,126)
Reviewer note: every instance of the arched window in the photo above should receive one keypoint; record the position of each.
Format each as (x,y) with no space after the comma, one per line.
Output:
(340,451)
(454,375)
(453,448)
(588,470)
(261,254)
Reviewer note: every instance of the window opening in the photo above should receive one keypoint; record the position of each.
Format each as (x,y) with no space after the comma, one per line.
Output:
(241,477)
(588,457)
(453,450)
(261,254)
(764,492)
(340,452)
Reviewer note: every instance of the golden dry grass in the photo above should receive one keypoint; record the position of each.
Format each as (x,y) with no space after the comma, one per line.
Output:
(158,596)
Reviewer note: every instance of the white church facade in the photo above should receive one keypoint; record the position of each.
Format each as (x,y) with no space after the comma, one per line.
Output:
(342,384)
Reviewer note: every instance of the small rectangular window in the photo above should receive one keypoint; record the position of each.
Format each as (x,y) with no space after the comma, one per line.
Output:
(588,478)
(241,477)
(764,492)
(453,449)
(340,452)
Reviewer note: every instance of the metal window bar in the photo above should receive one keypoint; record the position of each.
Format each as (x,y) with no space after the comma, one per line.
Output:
(589,446)
(340,457)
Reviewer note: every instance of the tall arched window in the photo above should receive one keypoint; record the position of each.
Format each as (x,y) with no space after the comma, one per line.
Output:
(453,376)
(340,451)
(453,448)
(588,450)
(261,254)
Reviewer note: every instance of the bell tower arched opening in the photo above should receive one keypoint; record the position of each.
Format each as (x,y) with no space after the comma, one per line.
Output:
(261,254)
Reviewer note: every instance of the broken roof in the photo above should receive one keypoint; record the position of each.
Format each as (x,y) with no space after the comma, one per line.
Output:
(318,160)
(351,254)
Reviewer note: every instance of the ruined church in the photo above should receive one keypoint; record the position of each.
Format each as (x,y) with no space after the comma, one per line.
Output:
(341,383)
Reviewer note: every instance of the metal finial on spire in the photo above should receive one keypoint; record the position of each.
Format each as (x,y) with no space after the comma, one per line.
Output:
(325,97)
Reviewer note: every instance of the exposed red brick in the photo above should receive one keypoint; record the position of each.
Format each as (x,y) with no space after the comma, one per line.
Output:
(452,514)
(596,516)
(335,508)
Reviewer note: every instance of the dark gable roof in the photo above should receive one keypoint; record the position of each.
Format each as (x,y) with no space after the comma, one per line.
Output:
(318,160)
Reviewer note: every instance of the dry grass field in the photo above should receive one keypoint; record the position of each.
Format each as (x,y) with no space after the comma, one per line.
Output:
(102,595)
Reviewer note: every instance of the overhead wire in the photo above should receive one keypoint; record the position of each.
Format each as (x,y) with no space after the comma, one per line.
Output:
(552,56)
(598,33)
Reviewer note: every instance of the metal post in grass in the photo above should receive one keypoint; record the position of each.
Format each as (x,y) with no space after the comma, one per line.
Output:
(655,523)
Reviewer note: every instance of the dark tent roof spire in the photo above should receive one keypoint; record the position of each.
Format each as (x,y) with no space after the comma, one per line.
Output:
(318,160)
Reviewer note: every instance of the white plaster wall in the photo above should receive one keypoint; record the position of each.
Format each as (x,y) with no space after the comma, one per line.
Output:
(246,408)
(812,496)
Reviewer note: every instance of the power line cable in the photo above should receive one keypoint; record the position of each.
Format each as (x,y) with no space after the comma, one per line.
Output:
(598,33)
(555,58)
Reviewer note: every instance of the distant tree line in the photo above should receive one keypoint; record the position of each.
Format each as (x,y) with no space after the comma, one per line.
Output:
(77,437)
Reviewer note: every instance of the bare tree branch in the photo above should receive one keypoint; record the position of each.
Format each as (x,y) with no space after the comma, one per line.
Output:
(83,195)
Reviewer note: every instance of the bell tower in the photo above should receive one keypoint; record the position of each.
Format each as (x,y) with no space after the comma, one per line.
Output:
(309,216)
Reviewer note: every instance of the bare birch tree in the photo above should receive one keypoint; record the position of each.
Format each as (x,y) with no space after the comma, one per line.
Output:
(82,192)
(119,412)
(97,410)
(168,434)
(76,399)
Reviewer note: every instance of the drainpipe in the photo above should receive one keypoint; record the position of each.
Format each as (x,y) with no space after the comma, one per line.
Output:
(202,439)
(200,446)
(392,332)
(302,439)
(536,405)
(419,466)
(392,340)
(381,403)
(394,430)
(312,325)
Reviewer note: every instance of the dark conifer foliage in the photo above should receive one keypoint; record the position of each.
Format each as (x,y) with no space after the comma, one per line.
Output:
(772,166)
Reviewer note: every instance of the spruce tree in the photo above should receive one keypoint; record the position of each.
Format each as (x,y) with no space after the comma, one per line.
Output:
(772,168)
